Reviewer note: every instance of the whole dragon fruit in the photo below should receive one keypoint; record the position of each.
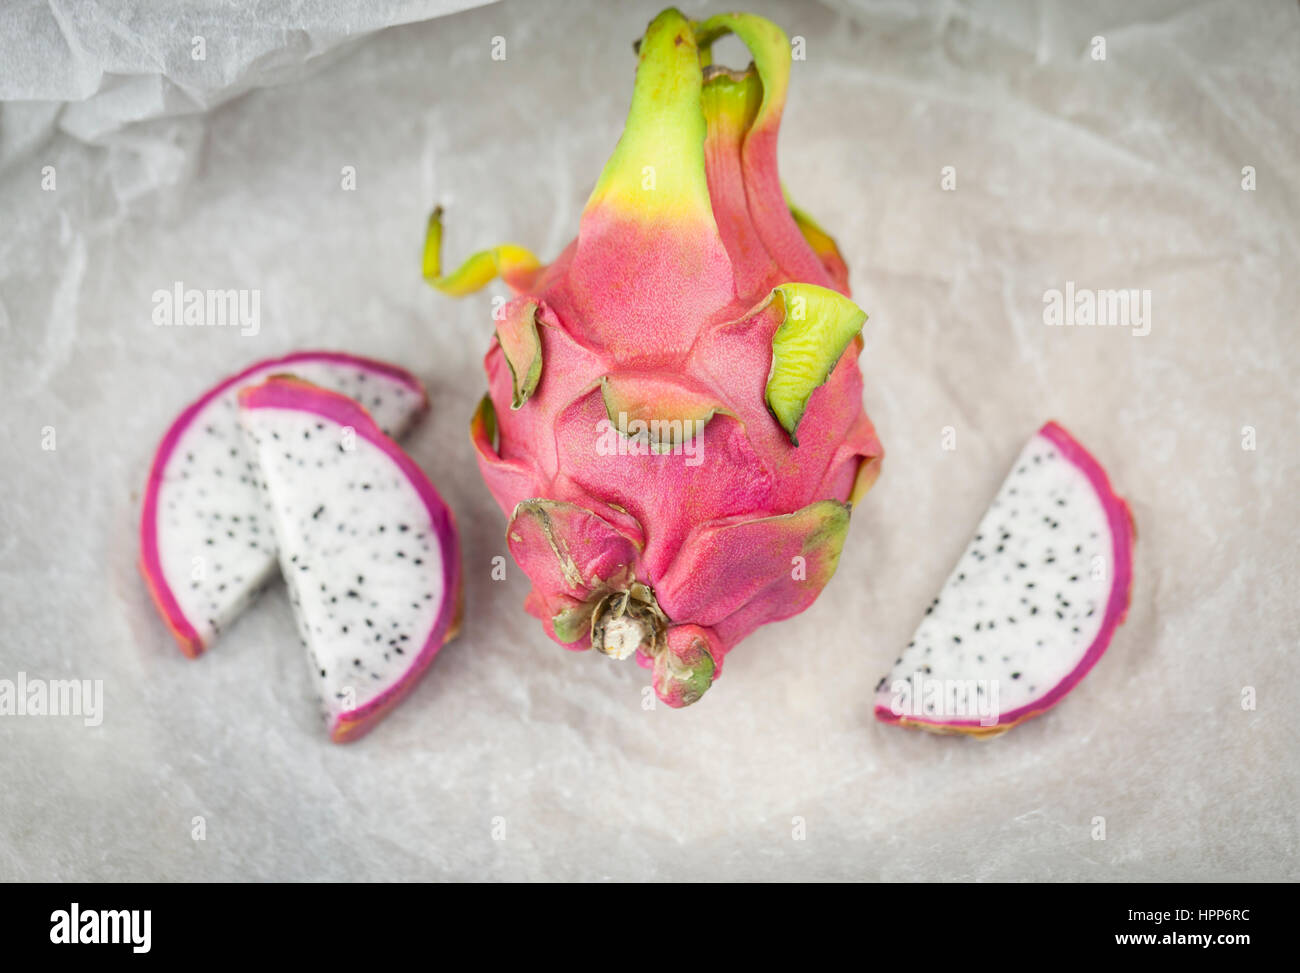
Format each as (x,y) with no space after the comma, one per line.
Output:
(674,424)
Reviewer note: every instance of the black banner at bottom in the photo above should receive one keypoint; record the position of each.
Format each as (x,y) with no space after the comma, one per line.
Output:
(334,921)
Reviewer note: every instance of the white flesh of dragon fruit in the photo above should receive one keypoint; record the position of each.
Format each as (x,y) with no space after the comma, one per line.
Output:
(1031,605)
(205,549)
(367,548)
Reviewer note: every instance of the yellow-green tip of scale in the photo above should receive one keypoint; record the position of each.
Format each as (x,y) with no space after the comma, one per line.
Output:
(770,48)
(514,264)
(731,100)
(657,169)
(818,324)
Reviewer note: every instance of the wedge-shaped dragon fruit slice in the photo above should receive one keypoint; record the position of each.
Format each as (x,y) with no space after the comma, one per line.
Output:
(1031,605)
(674,423)
(367,547)
(205,550)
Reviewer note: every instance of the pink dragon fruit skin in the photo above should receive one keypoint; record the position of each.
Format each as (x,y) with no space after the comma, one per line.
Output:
(694,294)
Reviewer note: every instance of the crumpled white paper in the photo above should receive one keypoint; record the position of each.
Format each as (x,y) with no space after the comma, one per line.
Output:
(1175,759)
(114,62)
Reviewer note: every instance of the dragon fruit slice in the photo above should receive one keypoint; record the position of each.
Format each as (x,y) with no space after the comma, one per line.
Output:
(674,424)
(368,550)
(1031,605)
(205,550)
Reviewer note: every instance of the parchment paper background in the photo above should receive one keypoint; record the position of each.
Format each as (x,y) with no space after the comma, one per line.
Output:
(1122,173)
